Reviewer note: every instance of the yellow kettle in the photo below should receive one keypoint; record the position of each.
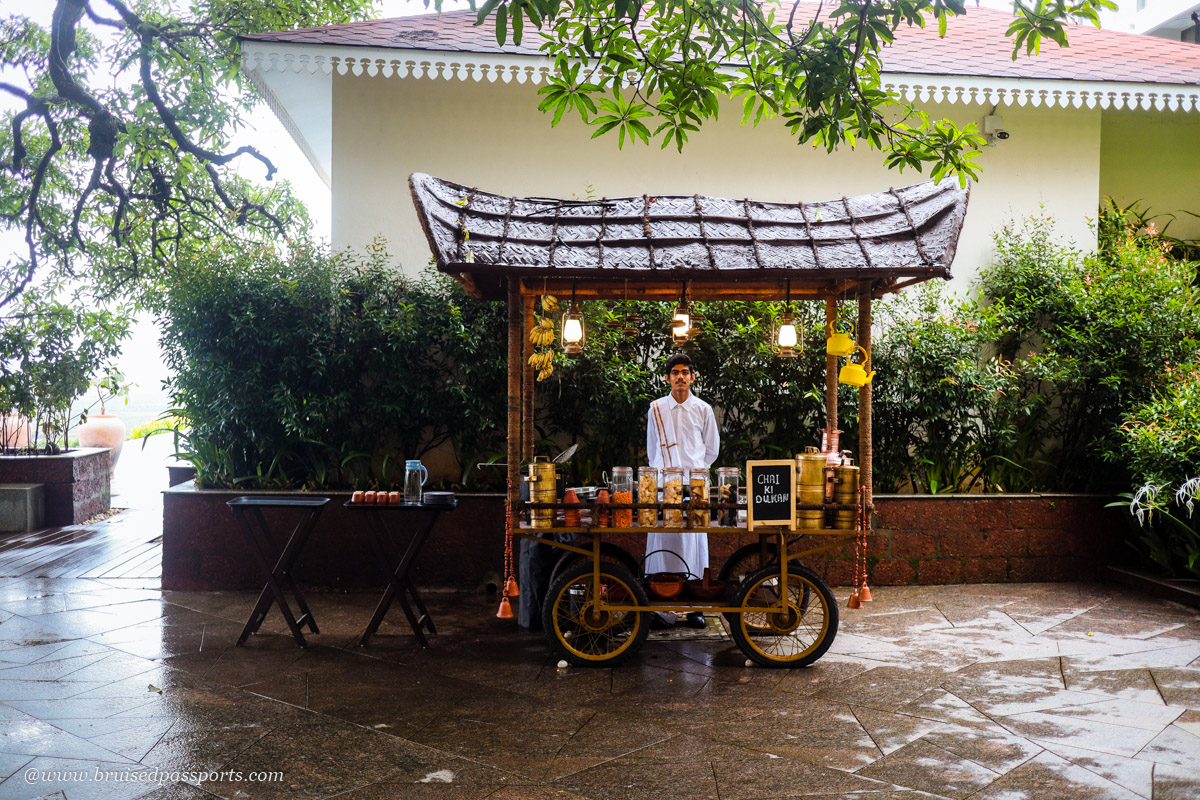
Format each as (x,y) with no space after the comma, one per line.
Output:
(856,374)
(840,344)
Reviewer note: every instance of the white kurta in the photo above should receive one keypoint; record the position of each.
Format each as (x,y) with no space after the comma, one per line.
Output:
(690,440)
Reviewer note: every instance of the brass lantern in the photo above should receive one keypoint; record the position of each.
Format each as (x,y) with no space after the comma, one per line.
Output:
(785,335)
(574,333)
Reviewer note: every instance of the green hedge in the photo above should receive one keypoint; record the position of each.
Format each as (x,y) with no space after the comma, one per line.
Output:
(326,370)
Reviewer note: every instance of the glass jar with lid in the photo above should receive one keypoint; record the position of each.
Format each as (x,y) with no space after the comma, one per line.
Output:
(698,482)
(728,479)
(672,478)
(621,487)
(647,492)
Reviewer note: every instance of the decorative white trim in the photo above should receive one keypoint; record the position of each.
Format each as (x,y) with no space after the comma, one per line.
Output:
(265,57)
(289,124)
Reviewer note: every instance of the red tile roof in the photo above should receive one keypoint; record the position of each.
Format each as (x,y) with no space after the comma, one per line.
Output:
(975,45)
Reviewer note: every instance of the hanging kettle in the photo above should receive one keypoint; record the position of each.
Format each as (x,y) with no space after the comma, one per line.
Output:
(856,374)
(838,343)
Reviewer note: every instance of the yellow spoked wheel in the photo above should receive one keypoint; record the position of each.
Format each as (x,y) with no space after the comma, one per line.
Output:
(749,559)
(794,636)
(580,630)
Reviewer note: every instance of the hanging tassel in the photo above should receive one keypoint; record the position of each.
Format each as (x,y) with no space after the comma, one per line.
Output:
(510,582)
(864,591)
(853,602)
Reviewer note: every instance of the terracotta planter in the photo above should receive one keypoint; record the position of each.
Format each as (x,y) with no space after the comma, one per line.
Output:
(15,432)
(104,430)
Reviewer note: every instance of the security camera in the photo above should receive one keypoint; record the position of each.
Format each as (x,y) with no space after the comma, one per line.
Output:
(993,129)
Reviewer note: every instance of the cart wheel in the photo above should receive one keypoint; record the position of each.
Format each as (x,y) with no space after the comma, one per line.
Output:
(795,638)
(583,634)
(608,552)
(749,559)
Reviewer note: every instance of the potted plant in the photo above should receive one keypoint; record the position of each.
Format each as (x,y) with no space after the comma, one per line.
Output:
(104,429)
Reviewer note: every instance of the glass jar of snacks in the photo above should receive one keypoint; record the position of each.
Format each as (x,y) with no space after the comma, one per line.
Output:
(728,479)
(647,493)
(672,478)
(622,492)
(698,500)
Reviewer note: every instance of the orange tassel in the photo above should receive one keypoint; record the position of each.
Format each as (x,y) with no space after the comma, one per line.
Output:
(854,602)
(864,593)
(511,589)
(505,611)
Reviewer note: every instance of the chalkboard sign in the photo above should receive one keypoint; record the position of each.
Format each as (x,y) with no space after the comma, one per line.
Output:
(770,493)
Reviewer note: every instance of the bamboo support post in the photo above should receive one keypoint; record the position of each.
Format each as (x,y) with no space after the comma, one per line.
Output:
(865,453)
(514,393)
(831,373)
(527,380)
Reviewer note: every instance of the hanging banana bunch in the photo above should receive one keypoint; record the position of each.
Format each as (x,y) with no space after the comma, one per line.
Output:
(543,336)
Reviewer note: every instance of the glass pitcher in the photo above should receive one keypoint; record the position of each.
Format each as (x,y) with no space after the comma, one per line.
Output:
(415,475)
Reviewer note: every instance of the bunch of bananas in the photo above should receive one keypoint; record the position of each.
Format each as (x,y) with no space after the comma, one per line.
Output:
(543,332)
(549,303)
(543,362)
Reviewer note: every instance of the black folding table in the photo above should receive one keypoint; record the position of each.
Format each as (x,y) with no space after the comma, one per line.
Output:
(397,565)
(276,562)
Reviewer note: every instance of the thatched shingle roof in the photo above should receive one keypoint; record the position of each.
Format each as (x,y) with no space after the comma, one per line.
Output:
(884,239)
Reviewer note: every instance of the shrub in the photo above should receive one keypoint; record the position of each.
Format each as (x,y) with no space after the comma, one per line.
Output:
(50,352)
(322,370)
(946,418)
(1089,337)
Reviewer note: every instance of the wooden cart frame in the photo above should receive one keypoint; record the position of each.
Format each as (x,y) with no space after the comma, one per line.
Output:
(648,248)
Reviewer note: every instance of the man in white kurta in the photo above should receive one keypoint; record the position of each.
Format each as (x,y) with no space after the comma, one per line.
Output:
(683,433)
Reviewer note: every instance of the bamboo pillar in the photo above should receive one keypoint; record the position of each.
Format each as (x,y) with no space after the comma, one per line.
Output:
(527,380)
(514,393)
(865,452)
(831,373)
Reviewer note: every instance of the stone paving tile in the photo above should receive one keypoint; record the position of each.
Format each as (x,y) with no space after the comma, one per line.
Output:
(1050,776)
(946,691)
(1134,774)
(927,767)
(1173,783)
(1090,734)
(1178,686)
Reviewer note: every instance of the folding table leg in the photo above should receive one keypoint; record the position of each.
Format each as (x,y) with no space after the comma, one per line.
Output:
(272,589)
(287,559)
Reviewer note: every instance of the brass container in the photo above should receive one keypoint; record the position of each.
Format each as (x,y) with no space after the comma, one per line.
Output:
(845,492)
(810,487)
(542,489)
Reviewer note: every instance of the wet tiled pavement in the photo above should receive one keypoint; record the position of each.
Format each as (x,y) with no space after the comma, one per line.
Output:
(114,689)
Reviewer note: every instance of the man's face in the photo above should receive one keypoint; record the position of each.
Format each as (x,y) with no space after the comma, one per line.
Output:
(680,378)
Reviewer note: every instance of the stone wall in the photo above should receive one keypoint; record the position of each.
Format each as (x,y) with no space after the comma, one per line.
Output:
(76,482)
(919,539)
(932,539)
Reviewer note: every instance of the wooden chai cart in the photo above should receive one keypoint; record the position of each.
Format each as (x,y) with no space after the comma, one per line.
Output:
(780,612)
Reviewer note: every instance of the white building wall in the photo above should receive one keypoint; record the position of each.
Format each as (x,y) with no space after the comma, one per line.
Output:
(492,136)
